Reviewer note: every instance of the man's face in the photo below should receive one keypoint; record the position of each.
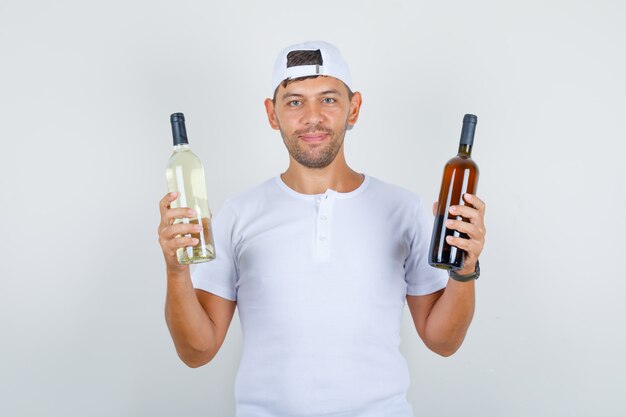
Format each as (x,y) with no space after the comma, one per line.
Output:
(312,116)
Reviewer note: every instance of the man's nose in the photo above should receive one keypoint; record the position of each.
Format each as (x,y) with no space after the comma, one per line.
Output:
(312,113)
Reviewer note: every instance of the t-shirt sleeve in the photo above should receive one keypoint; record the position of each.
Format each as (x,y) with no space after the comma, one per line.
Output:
(421,278)
(219,276)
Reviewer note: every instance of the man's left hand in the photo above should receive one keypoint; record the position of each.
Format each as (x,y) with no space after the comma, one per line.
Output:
(474,227)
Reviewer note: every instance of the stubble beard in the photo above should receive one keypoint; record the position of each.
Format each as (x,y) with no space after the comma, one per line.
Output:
(315,157)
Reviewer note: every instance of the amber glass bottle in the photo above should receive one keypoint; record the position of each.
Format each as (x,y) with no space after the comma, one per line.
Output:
(460,176)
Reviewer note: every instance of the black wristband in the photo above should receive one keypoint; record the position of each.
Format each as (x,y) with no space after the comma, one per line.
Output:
(465,278)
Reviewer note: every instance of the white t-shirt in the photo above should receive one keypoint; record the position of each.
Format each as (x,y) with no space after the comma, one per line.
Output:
(320,283)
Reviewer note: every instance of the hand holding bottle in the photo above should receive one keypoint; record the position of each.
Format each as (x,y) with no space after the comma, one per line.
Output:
(460,177)
(185,177)
(174,236)
(472,225)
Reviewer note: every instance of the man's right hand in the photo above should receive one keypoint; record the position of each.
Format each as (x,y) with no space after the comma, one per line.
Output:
(172,236)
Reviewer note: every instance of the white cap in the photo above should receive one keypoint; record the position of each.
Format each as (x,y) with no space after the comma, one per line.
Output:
(329,62)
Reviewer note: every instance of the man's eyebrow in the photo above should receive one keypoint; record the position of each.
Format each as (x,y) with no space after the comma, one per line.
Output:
(291,95)
(323,93)
(333,91)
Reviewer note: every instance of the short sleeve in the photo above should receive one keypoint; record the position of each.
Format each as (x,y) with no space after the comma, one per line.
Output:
(219,276)
(421,278)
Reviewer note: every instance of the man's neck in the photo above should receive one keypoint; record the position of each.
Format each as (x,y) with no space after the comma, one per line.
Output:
(338,177)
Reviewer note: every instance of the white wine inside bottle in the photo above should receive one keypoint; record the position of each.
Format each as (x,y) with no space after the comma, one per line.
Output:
(185,174)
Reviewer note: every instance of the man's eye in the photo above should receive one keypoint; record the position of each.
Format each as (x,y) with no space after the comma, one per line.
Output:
(328,100)
(295,103)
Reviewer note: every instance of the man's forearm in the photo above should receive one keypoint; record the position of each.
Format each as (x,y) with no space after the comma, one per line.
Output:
(450,317)
(190,326)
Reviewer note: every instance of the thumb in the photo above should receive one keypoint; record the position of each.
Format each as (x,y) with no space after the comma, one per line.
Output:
(435,204)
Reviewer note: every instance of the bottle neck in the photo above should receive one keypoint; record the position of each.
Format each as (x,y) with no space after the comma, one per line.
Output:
(465,150)
(181,147)
(179,131)
(467,135)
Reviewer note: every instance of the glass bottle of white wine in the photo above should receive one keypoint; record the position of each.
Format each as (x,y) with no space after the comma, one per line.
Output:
(185,174)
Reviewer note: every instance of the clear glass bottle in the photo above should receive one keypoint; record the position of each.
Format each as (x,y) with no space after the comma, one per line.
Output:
(185,174)
(460,176)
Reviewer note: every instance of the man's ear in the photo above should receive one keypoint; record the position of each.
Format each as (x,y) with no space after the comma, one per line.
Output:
(355,106)
(271,115)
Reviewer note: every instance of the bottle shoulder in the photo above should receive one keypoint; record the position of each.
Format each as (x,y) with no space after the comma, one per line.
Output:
(184,157)
(462,162)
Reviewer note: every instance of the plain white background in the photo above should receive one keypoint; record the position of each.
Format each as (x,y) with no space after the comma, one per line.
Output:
(86,90)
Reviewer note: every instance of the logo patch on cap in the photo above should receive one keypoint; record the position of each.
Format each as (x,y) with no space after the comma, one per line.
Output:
(299,58)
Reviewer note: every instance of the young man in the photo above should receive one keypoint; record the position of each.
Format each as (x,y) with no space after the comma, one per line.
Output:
(319,260)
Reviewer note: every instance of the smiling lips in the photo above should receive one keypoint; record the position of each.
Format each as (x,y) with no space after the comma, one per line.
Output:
(314,137)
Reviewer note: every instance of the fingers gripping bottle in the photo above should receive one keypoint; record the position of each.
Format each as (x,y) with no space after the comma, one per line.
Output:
(185,175)
(460,176)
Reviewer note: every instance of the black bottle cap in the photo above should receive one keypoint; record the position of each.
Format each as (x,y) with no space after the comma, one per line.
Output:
(179,132)
(469,127)
(470,118)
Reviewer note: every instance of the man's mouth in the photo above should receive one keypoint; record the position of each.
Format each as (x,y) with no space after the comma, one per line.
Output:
(314,137)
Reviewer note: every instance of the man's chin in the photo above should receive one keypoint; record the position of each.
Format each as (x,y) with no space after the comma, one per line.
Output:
(314,164)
